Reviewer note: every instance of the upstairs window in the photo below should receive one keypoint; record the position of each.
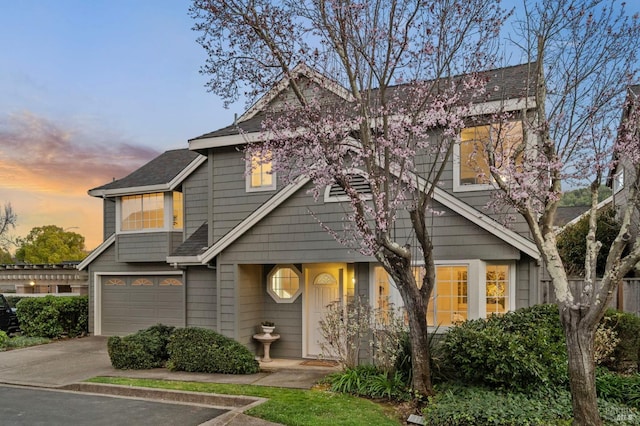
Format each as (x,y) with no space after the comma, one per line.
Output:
(260,176)
(155,211)
(471,159)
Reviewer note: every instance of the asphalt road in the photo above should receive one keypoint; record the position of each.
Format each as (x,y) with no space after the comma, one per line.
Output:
(31,406)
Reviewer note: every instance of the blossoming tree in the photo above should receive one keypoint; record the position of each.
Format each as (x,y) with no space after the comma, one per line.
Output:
(585,53)
(392,110)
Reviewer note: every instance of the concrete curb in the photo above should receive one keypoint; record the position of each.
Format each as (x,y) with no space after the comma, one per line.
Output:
(235,404)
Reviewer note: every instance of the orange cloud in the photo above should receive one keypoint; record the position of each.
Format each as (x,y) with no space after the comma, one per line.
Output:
(46,169)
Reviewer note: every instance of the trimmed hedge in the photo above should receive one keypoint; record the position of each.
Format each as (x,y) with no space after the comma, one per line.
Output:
(53,316)
(142,350)
(516,350)
(205,351)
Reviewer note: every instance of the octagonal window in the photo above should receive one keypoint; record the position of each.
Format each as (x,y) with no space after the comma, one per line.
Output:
(284,283)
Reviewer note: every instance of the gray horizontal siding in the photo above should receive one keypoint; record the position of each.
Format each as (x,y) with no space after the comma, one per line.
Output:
(146,247)
(108,217)
(289,234)
(230,201)
(201,297)
(195,195)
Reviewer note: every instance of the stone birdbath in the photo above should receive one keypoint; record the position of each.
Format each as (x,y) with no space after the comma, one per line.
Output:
(266,339)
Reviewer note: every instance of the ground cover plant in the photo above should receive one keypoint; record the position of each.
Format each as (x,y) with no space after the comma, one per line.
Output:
(297,407)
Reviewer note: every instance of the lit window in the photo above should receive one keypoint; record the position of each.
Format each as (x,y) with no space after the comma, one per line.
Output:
(497,289)
(142,282)
(472,159)
(261,176)
(142,212)
(177,211)
(448,303)
(283,283)
(148,211)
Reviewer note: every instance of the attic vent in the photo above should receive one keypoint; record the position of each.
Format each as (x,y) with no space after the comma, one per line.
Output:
(335,192)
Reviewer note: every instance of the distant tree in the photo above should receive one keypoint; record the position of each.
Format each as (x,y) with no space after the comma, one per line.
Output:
(5,257)
(7,221)
(572,242)
(582,196)
(50,244)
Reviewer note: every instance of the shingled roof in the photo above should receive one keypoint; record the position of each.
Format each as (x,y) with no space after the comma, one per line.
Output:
(162,170)
(502,83)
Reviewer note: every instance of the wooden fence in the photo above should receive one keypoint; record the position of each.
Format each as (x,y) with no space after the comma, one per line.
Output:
(625,298)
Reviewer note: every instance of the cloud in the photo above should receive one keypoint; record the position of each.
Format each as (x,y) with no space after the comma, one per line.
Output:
(37,154)
(47,167)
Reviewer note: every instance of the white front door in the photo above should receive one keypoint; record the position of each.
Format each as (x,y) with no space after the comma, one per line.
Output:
(324,285)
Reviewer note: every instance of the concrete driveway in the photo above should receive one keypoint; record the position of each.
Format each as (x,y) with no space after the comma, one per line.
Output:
(56,364)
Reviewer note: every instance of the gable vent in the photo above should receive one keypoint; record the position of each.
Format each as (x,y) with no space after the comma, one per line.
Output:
(357,181)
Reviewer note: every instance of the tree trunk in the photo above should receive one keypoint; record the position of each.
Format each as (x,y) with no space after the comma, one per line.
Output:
(582,372)
(420,356)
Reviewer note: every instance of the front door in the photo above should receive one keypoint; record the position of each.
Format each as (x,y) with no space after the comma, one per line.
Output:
(324,285)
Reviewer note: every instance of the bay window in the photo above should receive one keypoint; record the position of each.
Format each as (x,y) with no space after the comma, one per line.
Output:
(156,211)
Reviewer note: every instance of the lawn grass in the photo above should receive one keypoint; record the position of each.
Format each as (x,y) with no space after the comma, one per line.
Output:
(286,406)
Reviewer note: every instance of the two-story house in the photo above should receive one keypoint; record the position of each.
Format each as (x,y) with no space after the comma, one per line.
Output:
(193,239)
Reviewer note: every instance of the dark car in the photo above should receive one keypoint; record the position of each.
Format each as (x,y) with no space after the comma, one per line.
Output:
(8,318)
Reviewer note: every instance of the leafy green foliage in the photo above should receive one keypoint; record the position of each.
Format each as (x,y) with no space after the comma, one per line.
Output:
(142,350)
(18,342)
(625,356)
(201,350)
(5,257)
(52,316)
(582,196)
(456,405)
(572,242)
(515,351)
(50,244)
(619,388)
(4,339)
(371,382)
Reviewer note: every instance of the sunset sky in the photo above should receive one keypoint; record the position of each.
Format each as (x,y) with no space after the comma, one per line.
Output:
(89,91)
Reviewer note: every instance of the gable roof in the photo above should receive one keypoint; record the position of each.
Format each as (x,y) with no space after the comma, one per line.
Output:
(163,173)
(504,86)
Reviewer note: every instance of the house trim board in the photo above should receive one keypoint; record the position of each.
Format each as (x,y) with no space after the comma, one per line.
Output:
(97,252)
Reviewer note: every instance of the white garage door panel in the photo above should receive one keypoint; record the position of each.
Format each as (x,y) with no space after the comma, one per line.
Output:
(128,308)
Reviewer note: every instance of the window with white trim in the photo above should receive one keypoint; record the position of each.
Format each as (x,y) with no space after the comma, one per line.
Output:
(156,211)
(463,290)
(284,283)
(470,157)
(260,174)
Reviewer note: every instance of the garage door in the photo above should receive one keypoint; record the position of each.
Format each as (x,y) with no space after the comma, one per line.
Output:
(132,303)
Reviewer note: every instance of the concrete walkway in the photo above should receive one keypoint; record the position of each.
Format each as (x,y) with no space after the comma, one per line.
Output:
(66,363)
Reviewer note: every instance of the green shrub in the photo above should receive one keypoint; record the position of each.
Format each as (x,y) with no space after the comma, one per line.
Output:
(627,328)
(516,351)
(13,300)
(4,339)
(142,350)
(618,388)
(53,316)
(572,245)
(201,350)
